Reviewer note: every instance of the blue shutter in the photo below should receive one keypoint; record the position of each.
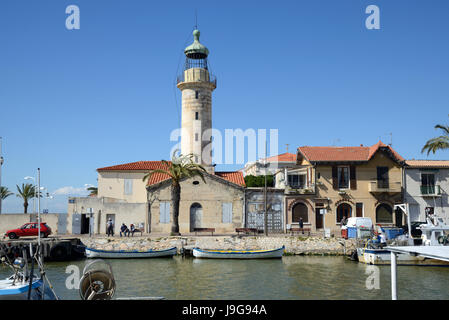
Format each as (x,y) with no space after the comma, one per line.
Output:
(164,213)
(227,212)
(167,212)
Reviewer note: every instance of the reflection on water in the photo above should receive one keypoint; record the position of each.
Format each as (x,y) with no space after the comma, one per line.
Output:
(292,277)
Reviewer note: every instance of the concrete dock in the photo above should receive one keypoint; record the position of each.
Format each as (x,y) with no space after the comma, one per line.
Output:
(53,249)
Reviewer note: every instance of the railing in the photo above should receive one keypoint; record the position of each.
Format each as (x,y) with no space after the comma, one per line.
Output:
(300,189)
(390,187)
(210,79)
(433,190)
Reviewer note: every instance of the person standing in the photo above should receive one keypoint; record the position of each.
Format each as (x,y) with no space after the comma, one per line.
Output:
(301,225)
(110,228)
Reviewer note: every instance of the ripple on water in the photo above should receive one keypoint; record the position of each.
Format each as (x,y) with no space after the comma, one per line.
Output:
(292,277)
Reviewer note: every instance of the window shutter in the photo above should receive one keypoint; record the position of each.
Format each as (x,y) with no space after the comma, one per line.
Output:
(167,212)
(164,214)
(227,212)
(335,177)
(353,178)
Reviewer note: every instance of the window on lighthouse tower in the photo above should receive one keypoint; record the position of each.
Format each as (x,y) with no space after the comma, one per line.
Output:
(196,94)
(196,116)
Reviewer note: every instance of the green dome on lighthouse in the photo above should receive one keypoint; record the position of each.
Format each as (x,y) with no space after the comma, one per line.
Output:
(196,50)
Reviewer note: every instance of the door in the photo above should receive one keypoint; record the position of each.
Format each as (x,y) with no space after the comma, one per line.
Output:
(76,223)
(62,223)
(318,218)
(359,209)
(196,213)
(398,217)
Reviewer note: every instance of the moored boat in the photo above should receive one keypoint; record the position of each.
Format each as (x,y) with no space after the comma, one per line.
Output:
(238,254)
(383,257)
(124,254)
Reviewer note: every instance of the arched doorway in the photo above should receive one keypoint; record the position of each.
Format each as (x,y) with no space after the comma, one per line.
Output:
(300,211)
(343,210)
(384,213)
(196,214)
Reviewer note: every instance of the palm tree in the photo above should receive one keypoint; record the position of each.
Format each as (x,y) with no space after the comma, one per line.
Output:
(5,193)
(179,168)
(93,191)
(28,191)
(438,143)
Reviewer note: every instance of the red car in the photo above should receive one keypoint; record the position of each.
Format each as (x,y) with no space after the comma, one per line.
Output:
(29,229)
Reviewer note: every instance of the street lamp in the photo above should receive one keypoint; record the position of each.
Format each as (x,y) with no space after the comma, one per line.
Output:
(47,196)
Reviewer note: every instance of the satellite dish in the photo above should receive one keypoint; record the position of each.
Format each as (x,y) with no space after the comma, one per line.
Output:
(97,282)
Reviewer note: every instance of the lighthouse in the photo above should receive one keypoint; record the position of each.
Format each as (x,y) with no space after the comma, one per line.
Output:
(196,84)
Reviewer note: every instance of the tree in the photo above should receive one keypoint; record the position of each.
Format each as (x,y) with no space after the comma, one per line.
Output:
(178,169)
(93,191)
(258,181)
(438,143)
(27,192)
(5,193)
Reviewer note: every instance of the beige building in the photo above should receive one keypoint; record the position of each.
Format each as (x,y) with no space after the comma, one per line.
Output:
(331,182)
(125,198)
(217,204)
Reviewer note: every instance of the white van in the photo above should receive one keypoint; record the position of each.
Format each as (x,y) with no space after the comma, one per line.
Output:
(359,222)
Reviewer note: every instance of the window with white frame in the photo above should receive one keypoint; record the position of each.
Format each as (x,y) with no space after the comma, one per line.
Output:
(297,181)
(128,186)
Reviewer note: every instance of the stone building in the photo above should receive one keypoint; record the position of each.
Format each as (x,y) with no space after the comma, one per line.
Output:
(426,189)
(333,182)
(125,198)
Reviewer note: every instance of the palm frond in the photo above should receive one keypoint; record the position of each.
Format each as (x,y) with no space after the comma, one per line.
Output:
(435,144)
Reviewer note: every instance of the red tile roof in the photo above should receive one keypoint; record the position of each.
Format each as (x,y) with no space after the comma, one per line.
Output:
(428,163)
(285,157)
(344,154)
(234,177)
(141,166)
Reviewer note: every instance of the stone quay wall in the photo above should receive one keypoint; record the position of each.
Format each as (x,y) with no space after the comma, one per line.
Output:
(293,245)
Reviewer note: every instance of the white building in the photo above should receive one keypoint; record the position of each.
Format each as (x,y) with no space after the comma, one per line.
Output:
(426,188)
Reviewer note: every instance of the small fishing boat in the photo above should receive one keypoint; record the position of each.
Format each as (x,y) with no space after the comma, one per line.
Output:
(124,254)
(238,254)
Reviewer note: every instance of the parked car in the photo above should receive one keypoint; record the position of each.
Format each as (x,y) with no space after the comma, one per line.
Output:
(29,229)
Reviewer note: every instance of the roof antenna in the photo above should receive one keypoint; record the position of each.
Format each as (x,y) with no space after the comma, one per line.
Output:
(287,146)
(196,19)
(391,139)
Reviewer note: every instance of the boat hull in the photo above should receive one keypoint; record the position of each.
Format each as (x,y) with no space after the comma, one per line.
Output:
(19,291)
(383,257)
(94,253)
(238,254)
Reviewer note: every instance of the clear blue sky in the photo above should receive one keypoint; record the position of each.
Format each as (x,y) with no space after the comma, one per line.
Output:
(74,101)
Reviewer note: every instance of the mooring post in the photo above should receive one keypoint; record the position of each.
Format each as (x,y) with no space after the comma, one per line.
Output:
(394,295)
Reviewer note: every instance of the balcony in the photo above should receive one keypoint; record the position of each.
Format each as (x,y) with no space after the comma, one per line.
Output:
(431,191)
(300,189)
(384,187)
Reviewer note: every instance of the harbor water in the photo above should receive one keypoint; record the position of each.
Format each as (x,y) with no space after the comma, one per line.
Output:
(292,277)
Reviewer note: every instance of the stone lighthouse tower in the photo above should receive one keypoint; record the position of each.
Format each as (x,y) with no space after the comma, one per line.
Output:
(196,85)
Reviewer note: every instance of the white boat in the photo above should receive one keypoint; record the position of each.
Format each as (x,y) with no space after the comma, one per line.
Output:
(383,257)
(238,254)
(10,289)
(432,235)
(123,254)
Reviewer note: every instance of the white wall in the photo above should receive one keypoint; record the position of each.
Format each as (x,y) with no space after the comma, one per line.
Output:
(418,203)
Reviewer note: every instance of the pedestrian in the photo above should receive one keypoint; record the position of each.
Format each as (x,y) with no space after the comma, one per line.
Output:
(383,240)
(344,221)
(132,229)
(124,229)
(110,227)
(301,225)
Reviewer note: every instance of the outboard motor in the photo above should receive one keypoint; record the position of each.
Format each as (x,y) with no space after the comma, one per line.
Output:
(97,282)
